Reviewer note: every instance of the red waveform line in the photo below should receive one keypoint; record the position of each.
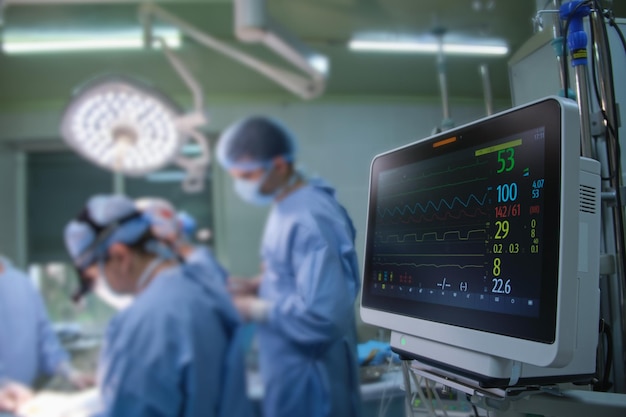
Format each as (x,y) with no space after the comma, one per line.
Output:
(438,216)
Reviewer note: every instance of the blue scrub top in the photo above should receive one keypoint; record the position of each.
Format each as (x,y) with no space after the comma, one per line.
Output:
(28,345)
(203,256)
(307,348)
(174,351)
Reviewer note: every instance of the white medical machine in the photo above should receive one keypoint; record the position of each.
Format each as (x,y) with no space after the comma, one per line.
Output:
(482,250)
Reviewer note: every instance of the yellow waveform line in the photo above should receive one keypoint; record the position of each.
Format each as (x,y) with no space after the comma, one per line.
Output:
(433,265)
(432,254)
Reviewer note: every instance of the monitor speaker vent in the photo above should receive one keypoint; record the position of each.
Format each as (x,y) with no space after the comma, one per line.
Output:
(587,199)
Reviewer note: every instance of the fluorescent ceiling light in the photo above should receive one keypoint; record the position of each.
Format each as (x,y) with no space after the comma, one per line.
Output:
(24,43)
(428,47)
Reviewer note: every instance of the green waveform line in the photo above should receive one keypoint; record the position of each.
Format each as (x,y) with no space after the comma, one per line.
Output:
(446,171)
(421,190)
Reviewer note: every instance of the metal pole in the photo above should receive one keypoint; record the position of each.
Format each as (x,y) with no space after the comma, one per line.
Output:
(443,85)
(408,408)
(447,122)
(484,74)
(613,216)
(582,91)
(557,42)
(118,183)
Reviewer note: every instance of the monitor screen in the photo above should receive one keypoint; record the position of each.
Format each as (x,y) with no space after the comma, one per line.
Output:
(464,227)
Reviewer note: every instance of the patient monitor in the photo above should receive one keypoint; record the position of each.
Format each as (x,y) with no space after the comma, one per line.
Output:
(482,249)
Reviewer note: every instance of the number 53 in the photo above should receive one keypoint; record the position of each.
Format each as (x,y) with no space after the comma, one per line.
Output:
(506,160)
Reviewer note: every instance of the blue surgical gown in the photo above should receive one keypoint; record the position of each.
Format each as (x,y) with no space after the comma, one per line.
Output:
(203,256)
(307,347)
(174,352)
(28,345)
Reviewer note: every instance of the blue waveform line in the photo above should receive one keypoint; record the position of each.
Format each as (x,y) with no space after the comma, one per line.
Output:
(435,206)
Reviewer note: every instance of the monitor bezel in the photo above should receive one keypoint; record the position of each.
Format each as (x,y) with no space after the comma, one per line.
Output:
(560,161)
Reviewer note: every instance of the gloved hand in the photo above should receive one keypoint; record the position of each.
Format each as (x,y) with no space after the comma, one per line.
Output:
(251,308)
(13,395)
(81,380)
(78,379)
(243,286)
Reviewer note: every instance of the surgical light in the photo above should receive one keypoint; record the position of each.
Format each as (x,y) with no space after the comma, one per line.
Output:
(128,127)
(119,124)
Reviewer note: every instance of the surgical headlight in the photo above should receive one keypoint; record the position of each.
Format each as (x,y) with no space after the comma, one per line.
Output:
(96,250)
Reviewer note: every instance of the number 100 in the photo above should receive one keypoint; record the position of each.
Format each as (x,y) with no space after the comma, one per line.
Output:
(507,192)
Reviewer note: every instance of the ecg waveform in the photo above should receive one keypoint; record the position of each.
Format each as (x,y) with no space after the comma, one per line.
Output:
(416,265)
(436,187)
(447,215)
(449,170)
(435,205)
(445,237)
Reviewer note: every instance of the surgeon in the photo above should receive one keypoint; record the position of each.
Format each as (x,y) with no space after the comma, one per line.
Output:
(172,352)
(304,300)
(167,226)
(29,348)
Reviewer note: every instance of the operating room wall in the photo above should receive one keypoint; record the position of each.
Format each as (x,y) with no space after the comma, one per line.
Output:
(337,141)
(12,221)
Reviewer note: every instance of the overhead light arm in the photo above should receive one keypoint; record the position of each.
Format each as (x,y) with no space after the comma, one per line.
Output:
(254,25)
(306,88)
(183,73)
(194,167)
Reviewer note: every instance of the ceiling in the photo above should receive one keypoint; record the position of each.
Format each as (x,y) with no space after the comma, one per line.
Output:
(326,25)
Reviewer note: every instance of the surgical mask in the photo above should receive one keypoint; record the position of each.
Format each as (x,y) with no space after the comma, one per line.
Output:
(117,300)
(113,299)
(250,190)
(107,294)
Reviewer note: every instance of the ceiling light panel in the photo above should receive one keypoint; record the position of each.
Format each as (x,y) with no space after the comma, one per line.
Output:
(26,42)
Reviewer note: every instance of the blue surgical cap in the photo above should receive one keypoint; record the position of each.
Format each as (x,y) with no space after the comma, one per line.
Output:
(164,223)
(188,223)
(106,219)
(253,142)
